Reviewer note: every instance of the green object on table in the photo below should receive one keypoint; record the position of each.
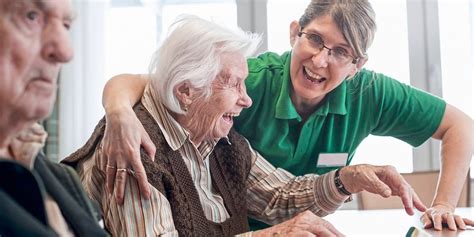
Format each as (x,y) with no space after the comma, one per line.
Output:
(416,232)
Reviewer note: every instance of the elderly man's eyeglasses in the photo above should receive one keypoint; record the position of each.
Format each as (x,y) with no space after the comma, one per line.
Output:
(339,54)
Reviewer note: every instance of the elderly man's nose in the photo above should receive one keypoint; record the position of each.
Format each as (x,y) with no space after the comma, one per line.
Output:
(57,45)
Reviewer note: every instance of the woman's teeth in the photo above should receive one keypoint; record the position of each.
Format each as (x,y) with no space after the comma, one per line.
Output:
(313,76)
(229,116)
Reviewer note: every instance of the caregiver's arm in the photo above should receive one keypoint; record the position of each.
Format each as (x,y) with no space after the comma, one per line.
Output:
(124,133)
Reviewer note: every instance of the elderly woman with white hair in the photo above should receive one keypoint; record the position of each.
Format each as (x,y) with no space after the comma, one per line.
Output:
(205,179)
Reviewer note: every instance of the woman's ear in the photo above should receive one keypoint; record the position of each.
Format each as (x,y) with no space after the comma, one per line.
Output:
(184,93)
(294,30)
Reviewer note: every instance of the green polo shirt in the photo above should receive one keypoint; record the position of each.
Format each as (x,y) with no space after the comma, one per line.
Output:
(370,103)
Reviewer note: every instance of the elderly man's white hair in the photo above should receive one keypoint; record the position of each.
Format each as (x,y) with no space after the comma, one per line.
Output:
(191,53)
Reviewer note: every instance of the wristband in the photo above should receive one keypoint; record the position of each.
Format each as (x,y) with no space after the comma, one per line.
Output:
(339,185)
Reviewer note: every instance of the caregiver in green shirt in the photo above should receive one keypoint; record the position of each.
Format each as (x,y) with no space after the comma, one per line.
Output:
(314,105)
(370,103)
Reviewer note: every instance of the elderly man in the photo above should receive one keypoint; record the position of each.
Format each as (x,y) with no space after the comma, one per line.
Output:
(205,178)
(37,197)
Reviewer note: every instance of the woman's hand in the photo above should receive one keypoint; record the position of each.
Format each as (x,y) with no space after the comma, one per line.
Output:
(28,143)
(382,180)
(304,224)
(121,150)
(439,215)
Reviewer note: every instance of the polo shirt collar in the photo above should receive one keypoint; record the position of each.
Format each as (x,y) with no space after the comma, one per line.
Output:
(284,106)
(335,101)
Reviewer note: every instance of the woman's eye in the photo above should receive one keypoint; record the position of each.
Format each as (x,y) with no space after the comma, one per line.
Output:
(232,84)
(316,39)
(340,51)
(32,15)
(67,26)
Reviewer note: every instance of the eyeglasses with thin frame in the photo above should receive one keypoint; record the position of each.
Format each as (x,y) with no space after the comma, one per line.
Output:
(339,54)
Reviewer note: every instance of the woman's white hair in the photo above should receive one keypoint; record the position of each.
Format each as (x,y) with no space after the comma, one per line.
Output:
(191,53)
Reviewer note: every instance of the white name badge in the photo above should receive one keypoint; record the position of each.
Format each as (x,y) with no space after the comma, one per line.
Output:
(332,159)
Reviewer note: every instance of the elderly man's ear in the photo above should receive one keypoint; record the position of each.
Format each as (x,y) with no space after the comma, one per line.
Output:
(184,92)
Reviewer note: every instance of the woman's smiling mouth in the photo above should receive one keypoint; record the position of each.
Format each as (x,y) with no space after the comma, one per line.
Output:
(313,77)
(229,117)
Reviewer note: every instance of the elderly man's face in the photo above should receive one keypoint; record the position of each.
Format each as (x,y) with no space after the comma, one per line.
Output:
(34,43)
(213,117)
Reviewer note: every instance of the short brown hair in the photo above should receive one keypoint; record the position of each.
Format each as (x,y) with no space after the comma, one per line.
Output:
(354,18)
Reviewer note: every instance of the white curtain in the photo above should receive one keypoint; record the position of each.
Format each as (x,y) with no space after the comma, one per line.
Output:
(82,80)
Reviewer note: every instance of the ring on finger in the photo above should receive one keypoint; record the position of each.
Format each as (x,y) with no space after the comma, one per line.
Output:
(109,167)
(121,170)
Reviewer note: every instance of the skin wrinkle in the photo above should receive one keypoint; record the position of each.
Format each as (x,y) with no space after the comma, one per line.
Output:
(204,119)
(198,122)
(34,45)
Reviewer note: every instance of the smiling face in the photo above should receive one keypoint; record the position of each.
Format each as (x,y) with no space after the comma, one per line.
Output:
(314,74)
(34,43)
(212,117)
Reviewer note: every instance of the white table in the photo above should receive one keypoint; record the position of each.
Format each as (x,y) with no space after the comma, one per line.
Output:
(389,222)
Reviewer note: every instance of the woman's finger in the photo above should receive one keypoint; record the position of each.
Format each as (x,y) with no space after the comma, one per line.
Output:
(110,168)
(406,194)
(418,203)
(427,221)
(459,222)
(449,219)
(121,175)
(437,220)
(468,221)
(140,175)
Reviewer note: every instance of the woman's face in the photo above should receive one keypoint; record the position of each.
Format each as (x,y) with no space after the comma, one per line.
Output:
(314,73)
(212,118)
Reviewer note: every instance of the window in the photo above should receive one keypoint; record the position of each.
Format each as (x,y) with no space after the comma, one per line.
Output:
(388,54)
(457,55)
(131,39)
(134,32)
(280,14)
(223,12)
